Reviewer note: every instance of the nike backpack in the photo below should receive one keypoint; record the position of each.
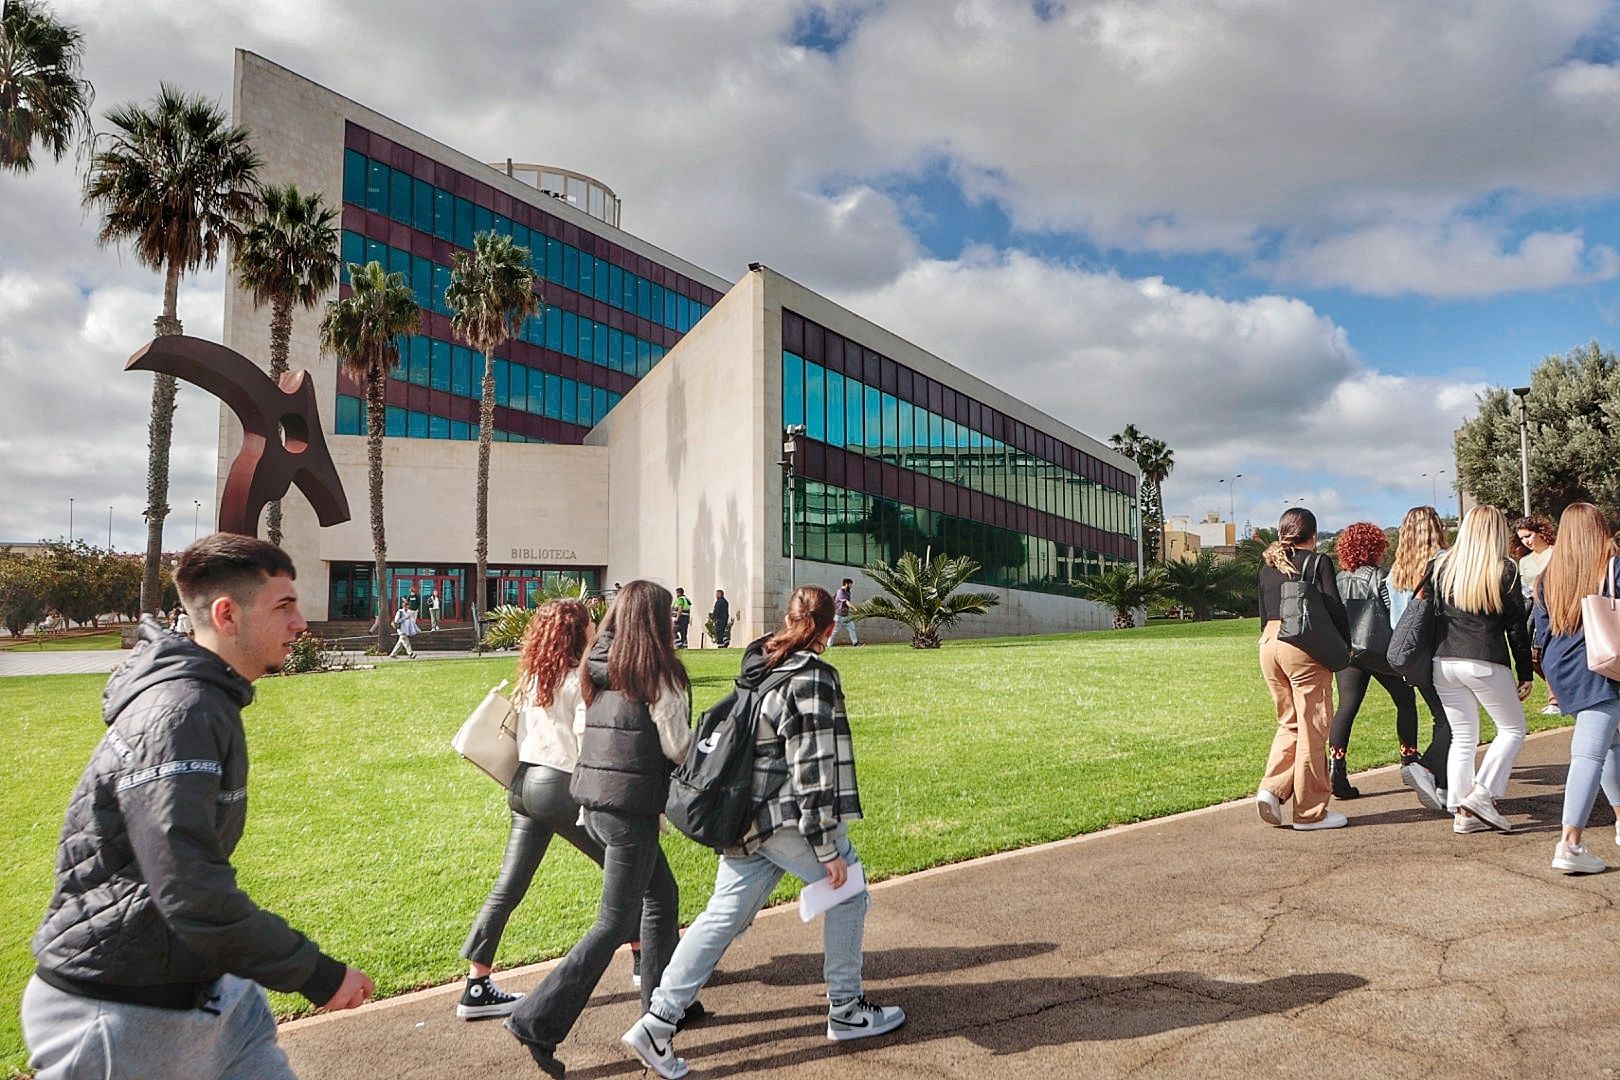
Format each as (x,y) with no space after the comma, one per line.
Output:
(711,793)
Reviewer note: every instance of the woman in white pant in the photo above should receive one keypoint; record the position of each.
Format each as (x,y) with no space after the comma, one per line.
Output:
(1479,622)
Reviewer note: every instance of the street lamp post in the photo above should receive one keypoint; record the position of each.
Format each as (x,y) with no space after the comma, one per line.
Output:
(196,516)
(1523,394)
(109,528)
(70,520)
(790,447)
(1231,497)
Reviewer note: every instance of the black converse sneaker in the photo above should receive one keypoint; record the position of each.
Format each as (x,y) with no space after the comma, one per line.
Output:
(860,1019)
(483,998)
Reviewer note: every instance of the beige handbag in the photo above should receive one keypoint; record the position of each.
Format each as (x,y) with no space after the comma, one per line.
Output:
(489,739)
(1600,622)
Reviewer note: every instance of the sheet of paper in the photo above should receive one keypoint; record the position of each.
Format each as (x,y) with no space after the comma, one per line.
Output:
(819,896)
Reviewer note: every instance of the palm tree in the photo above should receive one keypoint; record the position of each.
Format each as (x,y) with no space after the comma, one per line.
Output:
(287,256)
(1157,461)
(1127,442)
(1205,583)
(490,294)
(922,595)
(363,332)
(172,181)
(1124,590)
(42,97)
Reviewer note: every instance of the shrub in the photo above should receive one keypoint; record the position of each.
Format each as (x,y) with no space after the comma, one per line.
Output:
(311,652)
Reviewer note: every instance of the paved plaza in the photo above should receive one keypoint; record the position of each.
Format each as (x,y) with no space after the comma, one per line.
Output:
(1205,945)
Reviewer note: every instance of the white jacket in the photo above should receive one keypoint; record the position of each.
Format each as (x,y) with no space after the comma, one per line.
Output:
(549,734)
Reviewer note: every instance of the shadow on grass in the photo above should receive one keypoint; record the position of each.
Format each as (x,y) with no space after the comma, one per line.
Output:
(1011,1016)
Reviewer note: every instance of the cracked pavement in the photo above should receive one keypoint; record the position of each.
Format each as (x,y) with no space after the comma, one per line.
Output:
(1204,945)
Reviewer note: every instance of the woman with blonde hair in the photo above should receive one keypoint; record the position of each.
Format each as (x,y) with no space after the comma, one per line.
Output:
(805,796)
(551,715)
(1423,536)
(1480,624)
(1301,686)
(1581,564)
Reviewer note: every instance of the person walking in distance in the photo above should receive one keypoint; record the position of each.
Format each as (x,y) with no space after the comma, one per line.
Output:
(405,626)
(844,612)
(1301,687)
(681,612)
(806,795)
(720,616)
(1538,536)
(151,961)
(1365,591)
(637,727)
(551,716)
(434,605)
(1422,537)
(1582,564)
(1480,625)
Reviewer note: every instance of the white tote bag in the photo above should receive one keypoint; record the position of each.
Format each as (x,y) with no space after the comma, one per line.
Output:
(1600,623)
(489,738)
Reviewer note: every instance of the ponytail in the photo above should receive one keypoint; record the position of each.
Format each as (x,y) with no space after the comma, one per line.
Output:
(1280,556)
(809,614)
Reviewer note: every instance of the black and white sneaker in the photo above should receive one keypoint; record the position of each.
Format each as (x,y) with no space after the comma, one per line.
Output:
(653,1041)
(635,968)
(483,998)
(860,1019)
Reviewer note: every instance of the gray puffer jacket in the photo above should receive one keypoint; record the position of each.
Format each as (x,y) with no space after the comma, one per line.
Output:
(145,893)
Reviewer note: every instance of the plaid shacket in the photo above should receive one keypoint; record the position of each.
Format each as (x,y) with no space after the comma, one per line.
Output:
(810,763)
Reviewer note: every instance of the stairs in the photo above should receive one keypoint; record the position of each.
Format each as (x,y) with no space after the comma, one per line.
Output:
(355,635)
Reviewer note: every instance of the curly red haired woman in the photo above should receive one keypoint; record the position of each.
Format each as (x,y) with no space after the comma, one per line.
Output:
(1362,584)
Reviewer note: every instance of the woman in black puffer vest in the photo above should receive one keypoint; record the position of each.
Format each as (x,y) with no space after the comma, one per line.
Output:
(637,727)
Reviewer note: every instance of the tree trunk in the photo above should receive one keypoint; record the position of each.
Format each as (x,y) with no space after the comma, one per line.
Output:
(486,432)
(280,337)
(1124,620)
(376,409)
(159,436)
(925,639)
(1164,541)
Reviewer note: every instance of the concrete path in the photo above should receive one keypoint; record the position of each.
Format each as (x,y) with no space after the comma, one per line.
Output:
(23,661)
(1205,945)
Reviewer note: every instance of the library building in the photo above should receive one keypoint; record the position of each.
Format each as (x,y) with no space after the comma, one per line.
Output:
(650,419)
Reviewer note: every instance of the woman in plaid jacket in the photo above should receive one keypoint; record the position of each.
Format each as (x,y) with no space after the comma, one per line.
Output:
(806,794)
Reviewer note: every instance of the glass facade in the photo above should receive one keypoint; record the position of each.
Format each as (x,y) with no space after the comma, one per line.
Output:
(610,314)
(894,461)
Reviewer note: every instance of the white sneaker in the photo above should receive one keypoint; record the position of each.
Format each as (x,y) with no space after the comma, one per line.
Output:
(1483,807)
(1418,777)
(644,1042)
(1552,710)
(1575,859)
(1270,808)
(1466,823)
(1617,832)
(1330,820)
(860,1019)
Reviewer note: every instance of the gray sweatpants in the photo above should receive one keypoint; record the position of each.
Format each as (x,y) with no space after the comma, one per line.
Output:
(78,1038)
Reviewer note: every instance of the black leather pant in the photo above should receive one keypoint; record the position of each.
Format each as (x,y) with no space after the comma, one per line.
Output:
(1353,682)
(541,809)
(637,888)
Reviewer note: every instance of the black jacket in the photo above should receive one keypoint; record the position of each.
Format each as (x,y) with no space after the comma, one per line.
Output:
(145,893)
(1272,579)
(1463,635)
(621,766)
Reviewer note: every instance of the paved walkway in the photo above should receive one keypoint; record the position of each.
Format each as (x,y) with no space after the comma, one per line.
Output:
(23,661)
(1205,945)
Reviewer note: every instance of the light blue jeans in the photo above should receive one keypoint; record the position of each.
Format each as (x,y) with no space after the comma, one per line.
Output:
(741,887)
(232,1038)
(1594,758)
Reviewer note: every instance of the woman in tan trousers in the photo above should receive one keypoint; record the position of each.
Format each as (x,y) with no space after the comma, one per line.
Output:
(1301,687)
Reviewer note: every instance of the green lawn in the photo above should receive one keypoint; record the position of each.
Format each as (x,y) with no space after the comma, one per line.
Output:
(105,641)
(369,833)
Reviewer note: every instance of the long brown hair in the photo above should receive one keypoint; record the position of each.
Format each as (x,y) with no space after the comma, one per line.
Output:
(809,614)
(1577,567)
(555,641)
(1296,525)
(641,661)
(1423,536)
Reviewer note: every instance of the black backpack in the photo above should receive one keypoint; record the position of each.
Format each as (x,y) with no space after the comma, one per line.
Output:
(711,793)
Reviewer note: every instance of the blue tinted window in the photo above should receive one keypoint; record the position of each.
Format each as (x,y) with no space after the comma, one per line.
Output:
(570,266)
(377,252)
(399,262)
(483,220)
(598,404)
(615,358)
(554,260)
(907,440)
(438,427)
(874,420)
(419,360)
(444,214)
(518,391)
(520,237)
(792,389)
(399,196)
(643,357)
(377,187)
(501,380)
(585,405)
(348,415)
(570,333)
(418,425)
(601,291)
(553,403)
(422,280)
(570,401)
(599,341)
(815,392)
(853,427)
(587,343)
(354,251)
(502,225)
(554,328)
(460,429)
(394,422)
(441,282)
(643,298)
(461,376)
(354,177)
(439,365)
(464,223)
(835,415)
(615,290)
(422,211)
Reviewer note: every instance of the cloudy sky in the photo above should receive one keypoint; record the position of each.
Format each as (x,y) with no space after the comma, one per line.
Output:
(1292,238)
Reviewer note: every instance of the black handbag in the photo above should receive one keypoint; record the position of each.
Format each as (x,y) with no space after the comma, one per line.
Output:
(1306,624)
(1411,646)
(1367,606)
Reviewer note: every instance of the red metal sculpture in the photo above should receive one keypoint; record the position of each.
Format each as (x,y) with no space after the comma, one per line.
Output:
(282,441)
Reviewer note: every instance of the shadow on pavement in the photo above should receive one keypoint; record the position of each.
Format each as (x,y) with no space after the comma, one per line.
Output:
(804,969)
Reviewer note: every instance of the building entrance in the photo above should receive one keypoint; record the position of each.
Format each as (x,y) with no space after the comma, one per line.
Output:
(424,587)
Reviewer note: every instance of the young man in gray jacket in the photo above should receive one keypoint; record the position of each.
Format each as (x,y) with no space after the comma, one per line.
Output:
(151,960)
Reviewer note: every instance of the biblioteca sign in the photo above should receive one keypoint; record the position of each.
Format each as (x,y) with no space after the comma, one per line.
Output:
(545,554)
